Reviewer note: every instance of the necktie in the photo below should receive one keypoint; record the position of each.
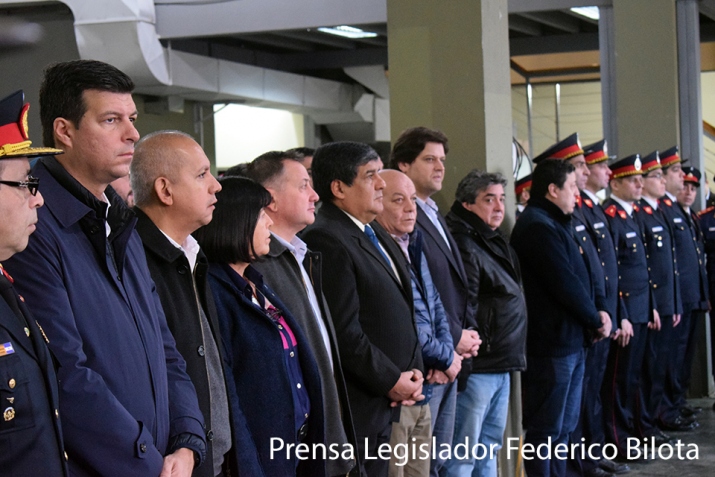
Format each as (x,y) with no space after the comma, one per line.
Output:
(373,238)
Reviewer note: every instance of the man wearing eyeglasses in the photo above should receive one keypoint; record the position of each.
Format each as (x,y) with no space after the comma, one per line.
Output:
(30,432)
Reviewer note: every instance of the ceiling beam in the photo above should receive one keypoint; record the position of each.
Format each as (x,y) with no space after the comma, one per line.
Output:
(276,41)
(520,6)
(553,44)
(555,20)
(523,25)
(318,37)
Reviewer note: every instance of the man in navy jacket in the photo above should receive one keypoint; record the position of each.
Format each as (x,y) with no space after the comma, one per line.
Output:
(127,405)
(563,318)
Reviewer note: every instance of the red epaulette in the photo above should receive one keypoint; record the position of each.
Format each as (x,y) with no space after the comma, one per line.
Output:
(648,209)
(611,210)
(578,201)
(668,202)
(708,210)
(636,208)
(588,202)
(623,214)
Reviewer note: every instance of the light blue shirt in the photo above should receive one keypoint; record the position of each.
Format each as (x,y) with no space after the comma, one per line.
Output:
(298,249)
(430,208)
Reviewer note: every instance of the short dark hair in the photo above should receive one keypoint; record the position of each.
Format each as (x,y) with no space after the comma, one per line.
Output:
(412,142)
(239,170)
(267,167)
(302,152)
(550,171)
(228,238)
(339,160)
(63,87)
(475,182)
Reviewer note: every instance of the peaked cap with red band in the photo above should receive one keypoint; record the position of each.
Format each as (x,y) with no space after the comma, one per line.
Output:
(670,157)
(14,139)
(522,184)
(596,152)
(629,166)
(564,150)
(692,176)
(651,162)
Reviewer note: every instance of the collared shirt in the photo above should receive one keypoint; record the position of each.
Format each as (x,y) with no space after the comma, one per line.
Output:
(430,208)
(190,247)
(301,400)
(652,202)
(671,197)
(404,242)
(298,249)
(107,228)
(382,247)
(628,206)
(592,196)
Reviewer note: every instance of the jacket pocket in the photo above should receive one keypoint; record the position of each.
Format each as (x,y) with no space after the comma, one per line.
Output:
(16,408)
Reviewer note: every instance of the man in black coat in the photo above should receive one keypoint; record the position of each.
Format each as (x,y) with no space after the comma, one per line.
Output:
(563,318)
(367,286)
(496,296)
(30,431)
(174,193)
(295,274)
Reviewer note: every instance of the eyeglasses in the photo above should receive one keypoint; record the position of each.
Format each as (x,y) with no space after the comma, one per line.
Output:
(31,184)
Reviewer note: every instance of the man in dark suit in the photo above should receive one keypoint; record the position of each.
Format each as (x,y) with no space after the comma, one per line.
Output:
(30,431)
(295,274)
(175,194)
(367,286)
(421,154)
(563,318)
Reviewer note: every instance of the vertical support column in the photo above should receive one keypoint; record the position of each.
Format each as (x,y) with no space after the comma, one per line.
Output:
(606,38)
(449,70)
(691,147)
(646,76)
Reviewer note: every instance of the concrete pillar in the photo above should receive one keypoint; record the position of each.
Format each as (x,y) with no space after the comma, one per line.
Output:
(449,70)
(645,76)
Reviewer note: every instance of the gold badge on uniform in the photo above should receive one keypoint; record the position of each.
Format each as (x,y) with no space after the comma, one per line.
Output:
(9,414)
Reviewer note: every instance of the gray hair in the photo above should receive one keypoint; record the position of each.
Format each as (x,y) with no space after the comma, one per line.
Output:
(153,158)
(475,182)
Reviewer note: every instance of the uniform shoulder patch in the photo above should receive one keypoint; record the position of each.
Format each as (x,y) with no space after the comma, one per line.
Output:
(668,202)
(648,209)
(611,210)
(623,214)
(706,211)
(588,202)
(636,208)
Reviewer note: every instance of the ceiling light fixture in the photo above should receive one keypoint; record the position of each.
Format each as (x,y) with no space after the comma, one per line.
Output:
(348,32)
(588,12)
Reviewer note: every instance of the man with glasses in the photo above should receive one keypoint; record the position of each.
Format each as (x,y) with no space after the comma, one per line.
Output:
(30,431)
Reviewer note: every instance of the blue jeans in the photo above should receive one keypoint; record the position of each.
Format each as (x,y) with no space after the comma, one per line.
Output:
(442,406)
(481,418)
(551,407)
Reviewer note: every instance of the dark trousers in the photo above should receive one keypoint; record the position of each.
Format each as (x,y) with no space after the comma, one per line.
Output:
(655,365)
(620,387)
(367,446)
(678,371)
(590,423)
(552,397)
